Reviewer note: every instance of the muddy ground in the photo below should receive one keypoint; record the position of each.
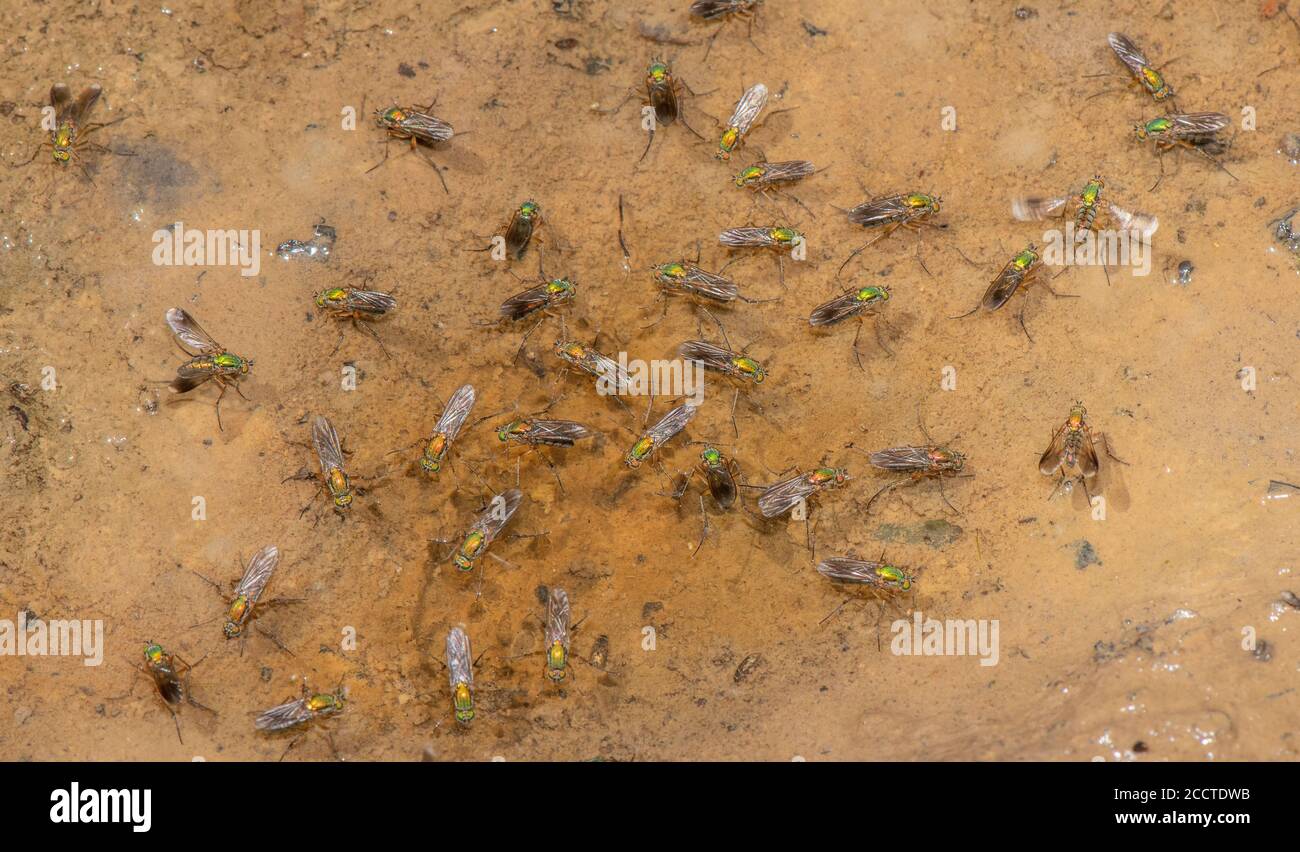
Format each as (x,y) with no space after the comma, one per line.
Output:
(1123,638)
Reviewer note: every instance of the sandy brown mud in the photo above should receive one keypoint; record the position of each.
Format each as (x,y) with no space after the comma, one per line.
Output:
(1113,632)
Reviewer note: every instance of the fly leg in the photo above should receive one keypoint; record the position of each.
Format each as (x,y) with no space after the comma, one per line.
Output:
(360,326)
(704,529)
(889,229)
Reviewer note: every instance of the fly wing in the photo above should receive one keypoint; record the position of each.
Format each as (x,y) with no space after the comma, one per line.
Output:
(710,9)
(326,441)
(524,303)
(748,107)
(1128,53)
(786,171)
(841,307)
(1003,287)
(1144,223)
(190,333)
(284,716)
(737,237)
(847,569)
(1033,209)
(783,496)
(60,99)
(86,102)
(557,618)
(371,302)
(1199,123)
(879,211)
(460,668)
(1050,462)
(427,128)
(672,423)
(664,100)
(498,514)
(603,366)
(901,458)
(558,433)
(711,285)
(707,353)
(187,379)
(258,572)
(453,416)
(1088,463)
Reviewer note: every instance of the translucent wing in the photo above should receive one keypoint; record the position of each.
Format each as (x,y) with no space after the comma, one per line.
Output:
(557,433)
(371,302)
(847,569)
(86,102)
(1050,462)
(460,667)
(283,716)
(707,353)
(789,170)
(841,307)
(880,211)
(60,99)
(748,107)
(190,333)
(498,514)
(453,416)
(709,284)
(557,618)
(1128,53)
(326,441)
(902,458)
(1033,209)
(427,128)
(1198,123)
(783,496)
(600,365)
(710,9)
(524,303)
(1088,462)
(1144,223)
(737,237)
(258,572)
(671,423)
(1003,287)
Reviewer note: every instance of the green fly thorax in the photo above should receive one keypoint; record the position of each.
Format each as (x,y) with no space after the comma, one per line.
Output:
(750,368)
(711,458)
(391,117)
(560,287)
(1154,127)
(1092,192)
(872,294)
(1025,259)
(749,175)
(921,201)
(333,295)
(894,576)
(231,363)
(529,209)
